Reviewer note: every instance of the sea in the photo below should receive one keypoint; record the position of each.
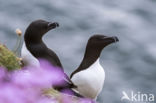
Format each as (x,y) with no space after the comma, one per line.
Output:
(130,64)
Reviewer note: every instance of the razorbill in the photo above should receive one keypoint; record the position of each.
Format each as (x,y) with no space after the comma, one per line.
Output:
(89,76)
(35,49)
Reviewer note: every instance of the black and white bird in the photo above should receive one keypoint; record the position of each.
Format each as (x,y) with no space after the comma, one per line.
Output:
(34,49)
(89,76)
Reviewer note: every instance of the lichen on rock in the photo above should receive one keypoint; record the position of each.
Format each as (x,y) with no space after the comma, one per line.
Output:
(8,59)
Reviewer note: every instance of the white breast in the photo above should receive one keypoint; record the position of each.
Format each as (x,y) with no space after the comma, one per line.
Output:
(28,58)
(90,81)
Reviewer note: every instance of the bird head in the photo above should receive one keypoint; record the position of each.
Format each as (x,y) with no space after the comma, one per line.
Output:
(98,42)
(38,28)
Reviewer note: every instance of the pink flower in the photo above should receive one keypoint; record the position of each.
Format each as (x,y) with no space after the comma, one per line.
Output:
(26,85)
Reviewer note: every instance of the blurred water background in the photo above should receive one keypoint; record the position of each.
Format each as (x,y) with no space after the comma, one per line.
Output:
(130,65)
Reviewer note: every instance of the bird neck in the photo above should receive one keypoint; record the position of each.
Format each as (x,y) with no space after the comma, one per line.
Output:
(40,51)
(33,40)
(34,43)
(89,58)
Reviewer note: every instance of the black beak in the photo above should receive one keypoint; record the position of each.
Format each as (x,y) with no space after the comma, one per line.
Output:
(112,39)
(115,39)
(52,25)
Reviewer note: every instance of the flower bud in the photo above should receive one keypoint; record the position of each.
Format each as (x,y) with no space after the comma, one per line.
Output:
(18,32)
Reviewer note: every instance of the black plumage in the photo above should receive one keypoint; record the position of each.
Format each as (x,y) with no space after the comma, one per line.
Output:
(36,46)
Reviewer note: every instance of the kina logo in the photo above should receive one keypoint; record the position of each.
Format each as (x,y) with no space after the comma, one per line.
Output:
(138,97)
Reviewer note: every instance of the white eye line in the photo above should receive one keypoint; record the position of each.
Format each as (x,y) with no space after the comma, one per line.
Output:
(49,24)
